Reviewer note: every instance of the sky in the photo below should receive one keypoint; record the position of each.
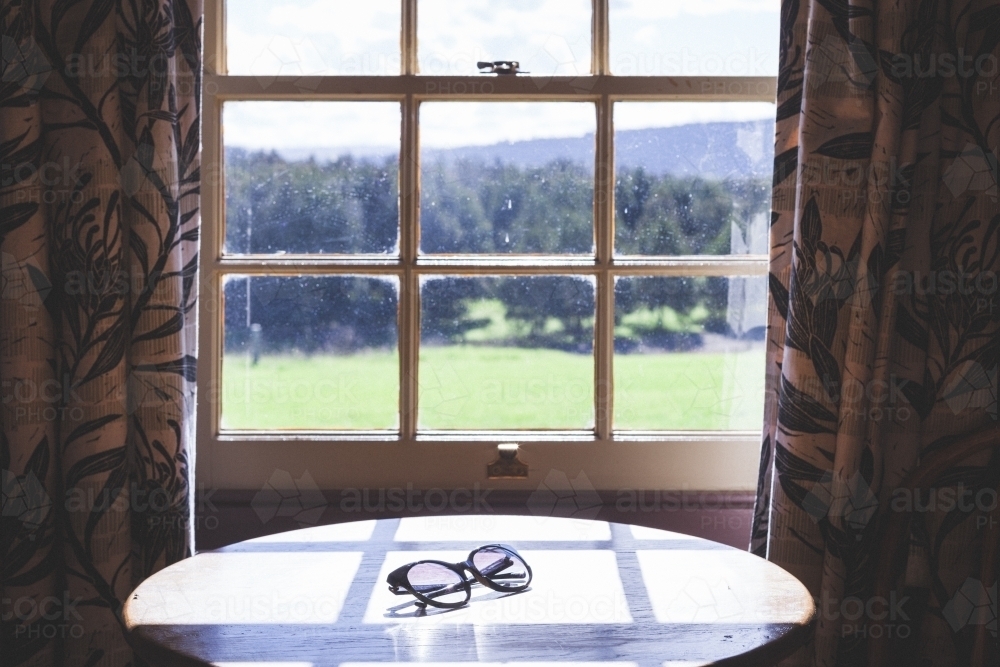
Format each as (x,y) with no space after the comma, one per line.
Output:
(452,124)
(648,37)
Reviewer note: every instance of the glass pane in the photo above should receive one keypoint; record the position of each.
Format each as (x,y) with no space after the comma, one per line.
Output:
(309,38)
(310,353)
(507,353)
(312,177)
(507,177)
(548,37)
(694,37)
(693,178)
(689,353)
(438,583)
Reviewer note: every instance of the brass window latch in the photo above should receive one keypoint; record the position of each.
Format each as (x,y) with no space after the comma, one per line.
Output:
(507,465)
(504,67)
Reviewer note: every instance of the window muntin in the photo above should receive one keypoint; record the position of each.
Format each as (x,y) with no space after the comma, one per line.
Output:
(603,269)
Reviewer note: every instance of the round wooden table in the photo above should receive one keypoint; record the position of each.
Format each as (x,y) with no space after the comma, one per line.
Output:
(602,593)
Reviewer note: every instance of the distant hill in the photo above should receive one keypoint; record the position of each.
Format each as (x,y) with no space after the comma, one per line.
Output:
(715,150)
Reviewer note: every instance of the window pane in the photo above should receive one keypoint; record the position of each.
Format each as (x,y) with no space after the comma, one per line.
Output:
(507,177)
(310,353)
(693,178)
(308,38)
(694,37)
(689,353)
(507,353)
(312,177)
(548,37)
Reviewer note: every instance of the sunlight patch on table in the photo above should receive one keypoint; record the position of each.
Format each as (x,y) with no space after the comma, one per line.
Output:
(254,588)
(500,528)
(511,664)
(568,587)
(645,533)
(699,586)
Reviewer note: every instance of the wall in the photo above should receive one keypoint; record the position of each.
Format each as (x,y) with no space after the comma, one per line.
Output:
(223,516)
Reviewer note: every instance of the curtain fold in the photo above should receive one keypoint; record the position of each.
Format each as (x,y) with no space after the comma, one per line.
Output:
(883,337)
(99,222)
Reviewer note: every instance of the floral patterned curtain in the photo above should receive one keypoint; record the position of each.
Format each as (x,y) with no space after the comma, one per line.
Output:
(883,336)
(99,221)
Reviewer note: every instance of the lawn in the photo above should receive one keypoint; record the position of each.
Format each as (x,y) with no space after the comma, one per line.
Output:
(494,387)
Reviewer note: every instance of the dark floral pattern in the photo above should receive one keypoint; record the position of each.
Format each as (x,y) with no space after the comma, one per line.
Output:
(99,223)
(883,336)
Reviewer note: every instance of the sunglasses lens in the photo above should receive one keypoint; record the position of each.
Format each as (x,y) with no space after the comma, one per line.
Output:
(501,567)
(437,583)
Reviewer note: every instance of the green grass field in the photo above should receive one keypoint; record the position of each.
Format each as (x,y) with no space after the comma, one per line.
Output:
(494,388)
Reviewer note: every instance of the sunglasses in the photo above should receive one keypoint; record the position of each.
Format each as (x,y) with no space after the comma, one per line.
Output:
(445,585)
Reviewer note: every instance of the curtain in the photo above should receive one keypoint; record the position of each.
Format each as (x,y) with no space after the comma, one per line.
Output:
(883,334)
(99,220)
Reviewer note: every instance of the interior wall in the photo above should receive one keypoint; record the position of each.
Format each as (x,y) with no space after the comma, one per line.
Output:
(223,517)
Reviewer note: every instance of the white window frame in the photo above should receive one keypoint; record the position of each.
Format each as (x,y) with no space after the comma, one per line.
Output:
(457,459)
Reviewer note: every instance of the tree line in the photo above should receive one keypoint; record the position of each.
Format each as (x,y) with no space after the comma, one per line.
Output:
(350,205)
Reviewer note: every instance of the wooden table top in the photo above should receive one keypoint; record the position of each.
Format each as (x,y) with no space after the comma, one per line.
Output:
(602,592)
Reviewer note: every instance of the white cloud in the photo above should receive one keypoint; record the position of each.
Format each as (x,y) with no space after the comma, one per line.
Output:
(323,35)
(547,36)
(453,124)
(266,125)
(350,37)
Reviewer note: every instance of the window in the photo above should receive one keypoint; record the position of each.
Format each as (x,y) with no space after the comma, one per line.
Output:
(406,262)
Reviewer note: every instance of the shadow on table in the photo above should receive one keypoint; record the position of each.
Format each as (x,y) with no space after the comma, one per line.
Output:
(392,612)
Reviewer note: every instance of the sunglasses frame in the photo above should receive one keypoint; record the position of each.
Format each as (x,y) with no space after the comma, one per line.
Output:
(399,583)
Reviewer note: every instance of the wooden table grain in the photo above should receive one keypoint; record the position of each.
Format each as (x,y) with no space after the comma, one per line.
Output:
(603,594)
